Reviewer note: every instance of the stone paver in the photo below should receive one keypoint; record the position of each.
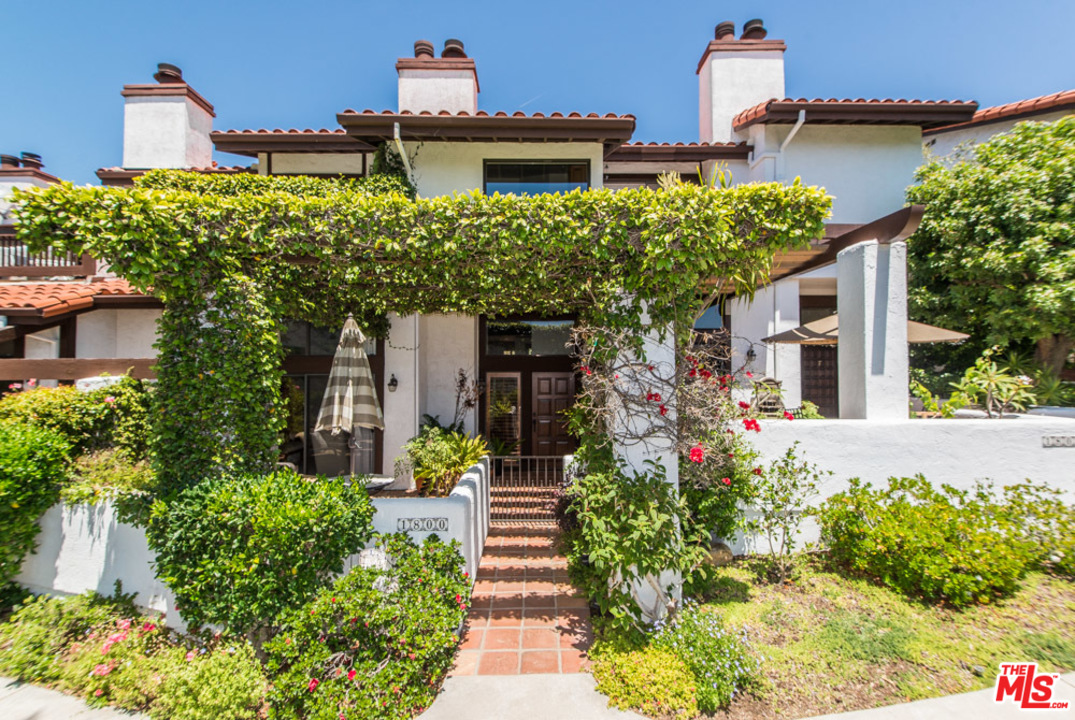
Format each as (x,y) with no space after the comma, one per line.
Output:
(525,616)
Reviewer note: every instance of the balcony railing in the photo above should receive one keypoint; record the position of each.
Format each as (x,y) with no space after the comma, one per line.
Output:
(17,261)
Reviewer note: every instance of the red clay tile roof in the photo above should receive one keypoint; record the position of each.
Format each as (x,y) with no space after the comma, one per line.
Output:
(1064,100)
(49,299)
(678,152)
(124,177)
(859,111)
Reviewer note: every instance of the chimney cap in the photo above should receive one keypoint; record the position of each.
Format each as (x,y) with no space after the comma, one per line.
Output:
(423,49)
(31,160)
(453,48)
(725,31)
(9,161)
(168,73)
(754,30)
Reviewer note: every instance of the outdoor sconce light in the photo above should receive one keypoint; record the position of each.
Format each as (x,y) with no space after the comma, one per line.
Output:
(392,383)
(751,355)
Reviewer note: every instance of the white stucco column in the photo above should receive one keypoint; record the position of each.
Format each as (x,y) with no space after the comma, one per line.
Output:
(784,361)
(661,354)
(871,299)
(401,358)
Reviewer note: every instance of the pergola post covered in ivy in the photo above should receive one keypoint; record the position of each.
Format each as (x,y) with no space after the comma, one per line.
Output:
(232,256)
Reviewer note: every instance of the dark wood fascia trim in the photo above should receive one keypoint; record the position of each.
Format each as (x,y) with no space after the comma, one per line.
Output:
(998,119)
(891,228)
(923,115)
(376,128)
(251,144)
(679,153)
(169,90)
(9,173)
(9,333)
(131,302)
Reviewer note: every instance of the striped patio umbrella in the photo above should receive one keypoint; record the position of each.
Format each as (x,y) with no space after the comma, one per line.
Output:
(350,398)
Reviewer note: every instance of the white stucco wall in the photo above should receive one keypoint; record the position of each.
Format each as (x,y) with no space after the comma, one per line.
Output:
(317,163)
(435,91)
(444,168)
(8,185)
(448,343)
(942,144)
(957,452)
(166,132)
(731,82)
(115,333)
(400,408)
(775,308)
(866,169)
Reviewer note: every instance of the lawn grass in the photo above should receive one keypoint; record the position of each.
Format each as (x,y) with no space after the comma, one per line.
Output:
(834,644)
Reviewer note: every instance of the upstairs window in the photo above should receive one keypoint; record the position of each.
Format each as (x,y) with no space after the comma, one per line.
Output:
(534,177)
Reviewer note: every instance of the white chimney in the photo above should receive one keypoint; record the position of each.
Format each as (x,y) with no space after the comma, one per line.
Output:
(431,84)
(166,125)
(734,75)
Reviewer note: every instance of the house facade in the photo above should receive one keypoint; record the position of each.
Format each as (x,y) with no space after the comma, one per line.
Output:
(863,152)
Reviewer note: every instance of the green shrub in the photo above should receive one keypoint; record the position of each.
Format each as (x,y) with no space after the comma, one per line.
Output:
(34,642)
(940,545)
(239,550)
(652,681)
(439,458)
(225,683)
(111,474)
(116,663)
(376,644)
(1047,522)
(720,660)
(33,465)
(117,415)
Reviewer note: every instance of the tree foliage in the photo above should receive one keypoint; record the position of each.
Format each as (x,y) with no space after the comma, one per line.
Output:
(995,253)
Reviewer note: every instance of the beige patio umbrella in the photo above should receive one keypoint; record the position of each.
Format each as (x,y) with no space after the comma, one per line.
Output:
(826,331)
(350,399)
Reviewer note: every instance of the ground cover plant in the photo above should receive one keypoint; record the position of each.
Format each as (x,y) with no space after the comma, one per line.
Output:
(832,643)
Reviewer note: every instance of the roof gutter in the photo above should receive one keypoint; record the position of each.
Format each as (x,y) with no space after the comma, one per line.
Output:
(794,129)
(402,152)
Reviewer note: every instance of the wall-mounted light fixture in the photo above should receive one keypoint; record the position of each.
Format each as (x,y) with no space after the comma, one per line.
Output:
(392,383)
(751,355)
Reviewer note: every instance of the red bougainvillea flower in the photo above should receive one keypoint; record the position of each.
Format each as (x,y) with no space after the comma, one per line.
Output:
(98,692)
(697,454)
(692,373)
(726,481)
(313,684)
(751,424)
(663,409)
(706,374)
(788,416)
(650,368)
(750,374)
(148,627)
(757,471)
(745,405)
(351,674)
(587,370)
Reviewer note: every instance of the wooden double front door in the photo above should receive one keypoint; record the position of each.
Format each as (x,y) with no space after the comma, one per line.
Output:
(524,412)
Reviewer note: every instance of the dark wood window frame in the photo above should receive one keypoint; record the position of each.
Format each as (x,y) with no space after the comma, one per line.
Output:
(535,161)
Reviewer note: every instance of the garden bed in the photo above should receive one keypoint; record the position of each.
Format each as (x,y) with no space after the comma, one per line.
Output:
(832,644)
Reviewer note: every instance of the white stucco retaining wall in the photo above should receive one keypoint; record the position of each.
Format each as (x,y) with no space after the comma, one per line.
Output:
(956,452)
(86,547)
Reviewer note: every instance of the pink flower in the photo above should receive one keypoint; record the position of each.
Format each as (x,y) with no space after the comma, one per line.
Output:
(124,624)
(190,656)
(32,382)
(726,481)
(148,627)
(101,670)
(351,675)
(751,424)
(98,692)
(750,374)
(788,415)
(587,370)
(697,454)
(14,386)
(313,684)
(110,400)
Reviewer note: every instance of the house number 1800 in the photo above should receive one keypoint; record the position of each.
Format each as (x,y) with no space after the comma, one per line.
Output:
(426,524)
(1058,441)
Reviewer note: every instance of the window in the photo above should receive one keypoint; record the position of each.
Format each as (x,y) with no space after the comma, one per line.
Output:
(533,177)
(528,337)
(303,339)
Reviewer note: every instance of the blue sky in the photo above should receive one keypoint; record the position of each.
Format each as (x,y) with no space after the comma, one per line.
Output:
(290,64)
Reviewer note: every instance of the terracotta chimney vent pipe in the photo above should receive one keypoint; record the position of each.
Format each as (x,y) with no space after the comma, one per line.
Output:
(31,160)
(725,31)
(754,30)
(453,49)
(424,49)
(168,74)
(9,161)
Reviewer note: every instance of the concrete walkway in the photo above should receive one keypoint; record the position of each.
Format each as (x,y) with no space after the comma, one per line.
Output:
(978,705)
(526,697)
(29,702)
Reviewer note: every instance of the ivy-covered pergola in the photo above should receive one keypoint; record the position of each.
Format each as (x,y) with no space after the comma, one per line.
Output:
(232,256)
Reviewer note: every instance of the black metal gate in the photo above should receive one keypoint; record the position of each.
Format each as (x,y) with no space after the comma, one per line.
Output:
(523,488)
